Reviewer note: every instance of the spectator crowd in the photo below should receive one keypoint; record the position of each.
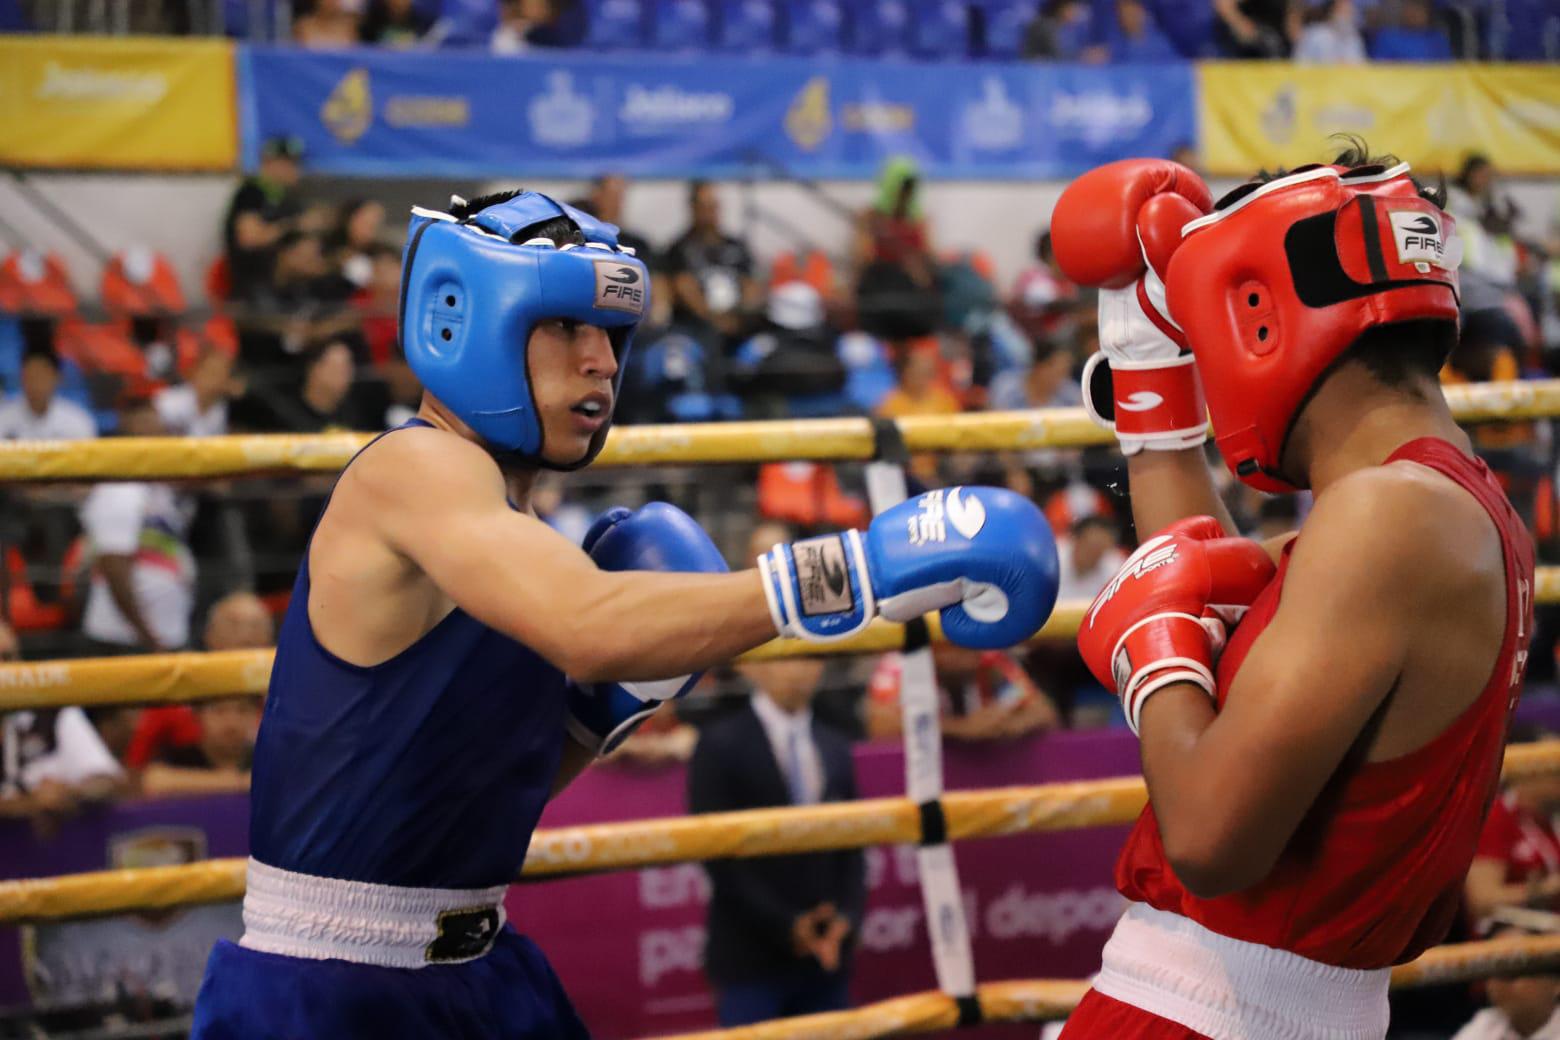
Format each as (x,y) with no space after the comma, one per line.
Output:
(1141,31)
(301,338)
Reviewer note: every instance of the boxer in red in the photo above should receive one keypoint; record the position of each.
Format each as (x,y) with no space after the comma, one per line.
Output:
(1322,717)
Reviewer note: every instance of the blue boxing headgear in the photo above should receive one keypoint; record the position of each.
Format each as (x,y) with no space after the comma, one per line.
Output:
(473,288)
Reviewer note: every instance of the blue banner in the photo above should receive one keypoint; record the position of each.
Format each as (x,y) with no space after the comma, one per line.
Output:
(379,113)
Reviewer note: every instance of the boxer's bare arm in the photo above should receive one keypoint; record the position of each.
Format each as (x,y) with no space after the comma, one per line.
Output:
(440,502)
(1387,579)
(1172,485)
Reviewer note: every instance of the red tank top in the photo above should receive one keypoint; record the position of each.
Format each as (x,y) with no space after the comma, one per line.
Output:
(1373,876)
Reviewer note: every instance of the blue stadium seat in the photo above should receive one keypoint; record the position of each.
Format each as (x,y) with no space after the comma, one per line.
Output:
(12,17)
(669,381)
(73,382)
(467,23)
(614,25)
(680,25)
(1188,23)
(939,29)
(237,20)
(745,26)
(869,372)
(1007,21)
(1531,31)
(879,28)
(814,27)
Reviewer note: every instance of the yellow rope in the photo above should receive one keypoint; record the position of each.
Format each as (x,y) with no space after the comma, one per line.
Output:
(195,676)
(153,458)
(1042,1000)
(680,839)
(164,678)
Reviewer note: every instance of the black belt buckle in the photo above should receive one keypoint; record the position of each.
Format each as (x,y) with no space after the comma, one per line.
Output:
(463,935)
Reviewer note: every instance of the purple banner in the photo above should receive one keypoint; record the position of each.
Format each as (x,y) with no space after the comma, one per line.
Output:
(628,945)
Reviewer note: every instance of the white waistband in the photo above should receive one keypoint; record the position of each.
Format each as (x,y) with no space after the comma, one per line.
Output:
(1228,989)
(299,915)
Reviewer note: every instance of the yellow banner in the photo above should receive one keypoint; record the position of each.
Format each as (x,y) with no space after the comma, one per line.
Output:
(129,104)
(1256,115)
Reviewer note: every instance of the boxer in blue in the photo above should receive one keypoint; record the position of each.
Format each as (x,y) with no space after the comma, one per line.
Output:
(448,662)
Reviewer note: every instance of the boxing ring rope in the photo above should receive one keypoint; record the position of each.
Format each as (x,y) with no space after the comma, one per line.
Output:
(172,458)
(576,850)
(563,851)
(1040,1000)
(195,676)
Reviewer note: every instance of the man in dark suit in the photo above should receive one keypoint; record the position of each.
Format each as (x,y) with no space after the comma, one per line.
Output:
(781,928)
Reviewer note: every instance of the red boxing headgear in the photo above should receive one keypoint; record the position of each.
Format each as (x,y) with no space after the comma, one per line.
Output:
(1279,281)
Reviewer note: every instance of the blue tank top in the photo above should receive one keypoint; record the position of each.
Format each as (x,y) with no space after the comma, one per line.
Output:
(428,770)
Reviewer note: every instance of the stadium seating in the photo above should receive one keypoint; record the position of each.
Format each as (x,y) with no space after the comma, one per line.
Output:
(140,281)
(879,28)
(939,29)
(1189,24)
(1529,30)
(250,19)
(35,283)
(669,379)
(614,25)
(813,26)
(745,26)
(1005,23)
(466,23)
(680,25)
(12,17)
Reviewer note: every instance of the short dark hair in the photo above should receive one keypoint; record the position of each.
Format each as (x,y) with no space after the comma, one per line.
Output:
(561,230)
(1099,520)
(293,236)
(1354,154)
(1043,248)
(282,147)
(316,353)
(48,357)
(1472,164)
(1405,352)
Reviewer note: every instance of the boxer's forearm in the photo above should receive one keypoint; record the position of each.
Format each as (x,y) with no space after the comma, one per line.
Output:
(647,625)
(1184,789)
(1171,485)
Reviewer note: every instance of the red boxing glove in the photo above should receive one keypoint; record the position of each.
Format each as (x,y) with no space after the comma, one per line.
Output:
(1161,619)
(1116,227)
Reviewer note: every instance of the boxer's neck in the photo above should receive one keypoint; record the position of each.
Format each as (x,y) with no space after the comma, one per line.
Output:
(1355,422)
(519,481)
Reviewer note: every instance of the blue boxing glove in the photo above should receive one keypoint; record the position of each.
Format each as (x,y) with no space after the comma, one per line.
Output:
(657,537)
(983,556)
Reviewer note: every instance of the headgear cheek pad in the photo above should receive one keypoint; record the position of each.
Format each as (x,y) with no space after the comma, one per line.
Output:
(1276,285)
(472,290)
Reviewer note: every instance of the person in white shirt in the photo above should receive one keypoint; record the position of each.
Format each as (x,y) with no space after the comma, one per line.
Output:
(1525,1008)
(198,407)
(1331,35)
(143,574)
(51,762)
(1089,557)
(38,413)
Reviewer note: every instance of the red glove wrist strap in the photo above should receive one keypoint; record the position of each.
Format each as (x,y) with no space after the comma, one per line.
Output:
(1160,650)
(1155,399)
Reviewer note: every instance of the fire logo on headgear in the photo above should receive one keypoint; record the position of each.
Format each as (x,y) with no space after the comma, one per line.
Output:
(1418,236)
